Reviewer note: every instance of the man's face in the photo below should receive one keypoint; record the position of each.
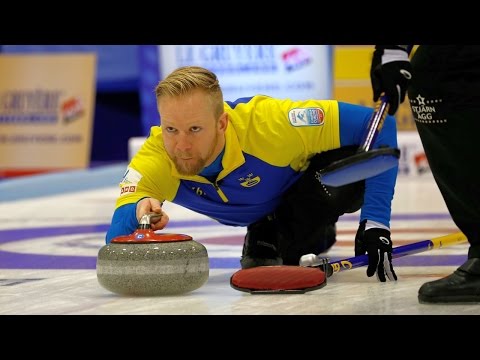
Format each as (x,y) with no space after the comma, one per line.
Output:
(193,137)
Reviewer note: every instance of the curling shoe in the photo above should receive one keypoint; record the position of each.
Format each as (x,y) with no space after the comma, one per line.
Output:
(460,287)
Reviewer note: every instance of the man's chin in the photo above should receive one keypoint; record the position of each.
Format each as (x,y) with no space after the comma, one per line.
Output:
(188,171)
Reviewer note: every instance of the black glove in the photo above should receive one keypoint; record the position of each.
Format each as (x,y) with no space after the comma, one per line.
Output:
(390,73)
(377,244)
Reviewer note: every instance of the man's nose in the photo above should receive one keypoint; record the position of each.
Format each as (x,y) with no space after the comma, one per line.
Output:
(183,142)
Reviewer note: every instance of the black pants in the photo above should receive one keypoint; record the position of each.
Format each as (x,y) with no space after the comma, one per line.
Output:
(445,101)
(305,220)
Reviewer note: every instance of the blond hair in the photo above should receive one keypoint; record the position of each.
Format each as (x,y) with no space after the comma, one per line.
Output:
(188,78)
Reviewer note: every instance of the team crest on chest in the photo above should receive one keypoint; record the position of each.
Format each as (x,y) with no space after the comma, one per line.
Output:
(249,180)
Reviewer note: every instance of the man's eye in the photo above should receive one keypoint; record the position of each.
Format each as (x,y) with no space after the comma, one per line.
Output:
(170,129)
(195,129)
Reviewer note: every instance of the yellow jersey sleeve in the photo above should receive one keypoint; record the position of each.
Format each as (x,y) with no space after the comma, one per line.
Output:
(149,173)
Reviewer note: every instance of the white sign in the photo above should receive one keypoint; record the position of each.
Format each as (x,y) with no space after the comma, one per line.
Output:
(297,72)
(413,161)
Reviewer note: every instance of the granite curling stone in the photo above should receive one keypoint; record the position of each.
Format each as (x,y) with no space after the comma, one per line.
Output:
(149,264)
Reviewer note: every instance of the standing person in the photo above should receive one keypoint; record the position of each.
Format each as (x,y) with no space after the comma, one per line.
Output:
(444,91)
(253,163)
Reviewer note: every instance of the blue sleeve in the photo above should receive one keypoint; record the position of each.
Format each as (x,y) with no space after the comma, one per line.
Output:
(124,222)
(379,190)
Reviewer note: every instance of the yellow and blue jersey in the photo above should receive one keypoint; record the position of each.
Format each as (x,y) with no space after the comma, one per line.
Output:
(269,143)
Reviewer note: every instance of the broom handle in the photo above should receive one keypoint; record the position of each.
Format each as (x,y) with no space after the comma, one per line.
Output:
(399,251)
(377,119)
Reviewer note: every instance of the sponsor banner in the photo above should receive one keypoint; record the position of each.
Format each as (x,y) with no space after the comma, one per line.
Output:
(46,112)
(116,66)
(285,71)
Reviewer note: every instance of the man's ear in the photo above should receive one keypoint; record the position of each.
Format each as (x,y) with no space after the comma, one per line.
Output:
(223,122)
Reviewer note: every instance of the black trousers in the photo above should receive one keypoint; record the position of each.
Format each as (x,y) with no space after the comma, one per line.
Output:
(445,100)
(305,220)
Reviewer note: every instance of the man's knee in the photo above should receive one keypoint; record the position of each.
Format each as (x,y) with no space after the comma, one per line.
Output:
(260,247)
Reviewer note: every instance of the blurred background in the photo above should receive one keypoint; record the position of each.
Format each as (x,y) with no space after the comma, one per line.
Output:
(81,106)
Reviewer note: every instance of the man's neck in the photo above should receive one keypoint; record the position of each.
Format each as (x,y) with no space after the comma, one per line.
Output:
(211,171)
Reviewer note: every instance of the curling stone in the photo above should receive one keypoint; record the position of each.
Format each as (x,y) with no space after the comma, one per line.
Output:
(149,264)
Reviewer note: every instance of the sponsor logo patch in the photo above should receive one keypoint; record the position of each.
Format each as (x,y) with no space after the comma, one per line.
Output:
(131,176)
(425,111)
(129,181)
(128,189)
(306,116)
